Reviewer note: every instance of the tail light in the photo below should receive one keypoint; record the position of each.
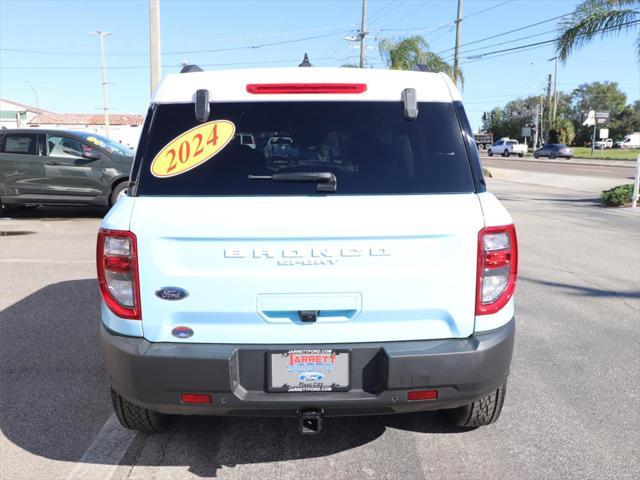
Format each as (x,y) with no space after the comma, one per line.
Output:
(117,258)
(497,268)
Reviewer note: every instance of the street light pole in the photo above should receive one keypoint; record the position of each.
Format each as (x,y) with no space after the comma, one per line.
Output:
(105,88)
(154,43)
(363,32)
(34,92)
(555,88)
(456,54)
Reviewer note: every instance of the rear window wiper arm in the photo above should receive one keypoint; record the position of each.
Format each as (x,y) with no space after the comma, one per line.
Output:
(326,181)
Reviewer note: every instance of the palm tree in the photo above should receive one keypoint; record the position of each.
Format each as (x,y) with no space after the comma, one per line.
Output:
(597,18)
(407,53)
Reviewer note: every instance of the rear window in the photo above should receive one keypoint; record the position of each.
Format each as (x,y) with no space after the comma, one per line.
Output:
(368,146)
(21,143)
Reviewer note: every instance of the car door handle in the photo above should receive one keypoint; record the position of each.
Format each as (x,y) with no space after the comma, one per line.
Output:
(52,163)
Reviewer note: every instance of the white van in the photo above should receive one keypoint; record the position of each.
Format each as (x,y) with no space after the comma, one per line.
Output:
(630,141)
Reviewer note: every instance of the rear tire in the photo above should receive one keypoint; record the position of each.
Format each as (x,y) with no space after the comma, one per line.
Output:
(521,155)
(552,156)
(119,190)
(490,153)
(505,153)
(481,412)
(134,417)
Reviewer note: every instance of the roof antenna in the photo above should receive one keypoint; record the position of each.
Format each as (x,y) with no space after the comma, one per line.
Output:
(305,61)
(190,68)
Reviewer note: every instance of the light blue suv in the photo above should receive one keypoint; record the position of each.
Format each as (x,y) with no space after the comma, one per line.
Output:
(369,273)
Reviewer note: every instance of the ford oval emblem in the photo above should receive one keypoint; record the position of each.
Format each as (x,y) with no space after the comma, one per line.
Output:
(182,332)
(171,293)
(311,377)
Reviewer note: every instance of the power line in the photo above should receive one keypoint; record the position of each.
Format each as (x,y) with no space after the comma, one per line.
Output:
(545,42)
(487,9)
(184,52)
(424,4)
(134,67)
(504,43)
(508,32)
(387,7)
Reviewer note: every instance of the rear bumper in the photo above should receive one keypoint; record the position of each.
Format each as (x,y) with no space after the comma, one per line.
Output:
(154,374)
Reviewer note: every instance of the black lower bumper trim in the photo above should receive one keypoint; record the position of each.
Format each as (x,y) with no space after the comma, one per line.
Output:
(154,374)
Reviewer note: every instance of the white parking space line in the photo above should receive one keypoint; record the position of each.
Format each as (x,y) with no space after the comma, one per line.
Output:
(101,459)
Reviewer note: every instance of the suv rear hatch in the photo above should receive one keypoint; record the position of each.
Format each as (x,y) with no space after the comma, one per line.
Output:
(390,255)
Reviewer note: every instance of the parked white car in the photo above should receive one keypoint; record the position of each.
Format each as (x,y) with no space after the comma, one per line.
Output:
(506,147)
(607,143)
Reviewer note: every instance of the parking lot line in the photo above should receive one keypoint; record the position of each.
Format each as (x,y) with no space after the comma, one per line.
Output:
(102,458)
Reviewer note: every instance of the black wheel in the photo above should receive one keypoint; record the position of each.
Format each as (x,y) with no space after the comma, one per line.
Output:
(552,156)
(505,153)
(521,155)
(481,412)
(490,153)
(134,417)
(536,156)
(120,190)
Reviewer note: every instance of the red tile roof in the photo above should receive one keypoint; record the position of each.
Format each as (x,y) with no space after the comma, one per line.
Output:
(84,119)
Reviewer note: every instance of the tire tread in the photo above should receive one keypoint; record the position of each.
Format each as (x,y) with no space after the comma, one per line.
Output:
(484,411)
(134,417)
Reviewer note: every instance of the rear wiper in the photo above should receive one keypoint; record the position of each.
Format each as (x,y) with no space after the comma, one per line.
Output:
(326,180)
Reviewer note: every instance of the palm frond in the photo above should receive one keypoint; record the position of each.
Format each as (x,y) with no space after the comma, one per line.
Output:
(596,18)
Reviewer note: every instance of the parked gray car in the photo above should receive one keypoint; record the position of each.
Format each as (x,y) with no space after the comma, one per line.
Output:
(43,167)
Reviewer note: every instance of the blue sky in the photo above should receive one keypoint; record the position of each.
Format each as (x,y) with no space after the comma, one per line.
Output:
(60,59)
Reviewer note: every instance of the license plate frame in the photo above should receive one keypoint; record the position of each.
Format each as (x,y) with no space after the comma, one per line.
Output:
(342,363)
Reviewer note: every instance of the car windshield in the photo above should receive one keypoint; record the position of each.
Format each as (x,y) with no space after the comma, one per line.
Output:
(369,146)
(106,143)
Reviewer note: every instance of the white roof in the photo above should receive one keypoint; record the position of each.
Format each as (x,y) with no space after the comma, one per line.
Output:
(230,85)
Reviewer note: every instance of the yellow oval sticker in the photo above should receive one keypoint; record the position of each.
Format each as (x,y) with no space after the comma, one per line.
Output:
(192,148)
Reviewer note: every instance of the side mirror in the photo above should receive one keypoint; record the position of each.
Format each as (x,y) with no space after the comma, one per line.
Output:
(92,155)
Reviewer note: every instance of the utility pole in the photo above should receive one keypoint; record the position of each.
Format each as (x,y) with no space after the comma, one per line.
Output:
(154,43)
(363,32)
(549,103)
(105,88)
(456,54)
(555,88)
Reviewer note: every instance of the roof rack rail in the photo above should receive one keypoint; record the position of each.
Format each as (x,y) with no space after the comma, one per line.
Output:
(190,69)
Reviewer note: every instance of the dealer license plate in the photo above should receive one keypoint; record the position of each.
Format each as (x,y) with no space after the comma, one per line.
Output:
(304,370)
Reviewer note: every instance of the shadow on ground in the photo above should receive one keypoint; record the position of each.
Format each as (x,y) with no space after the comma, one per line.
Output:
(53,213)
(54,398)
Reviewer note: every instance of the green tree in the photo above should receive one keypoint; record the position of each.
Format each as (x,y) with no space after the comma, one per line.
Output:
(518,113)
(565,130)
(406,53)
(599,96)
(597,18)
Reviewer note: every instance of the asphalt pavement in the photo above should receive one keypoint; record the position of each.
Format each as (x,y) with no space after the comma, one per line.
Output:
(572,409)
(623,170)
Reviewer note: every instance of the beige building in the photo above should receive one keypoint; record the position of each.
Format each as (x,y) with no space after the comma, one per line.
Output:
(17,115)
